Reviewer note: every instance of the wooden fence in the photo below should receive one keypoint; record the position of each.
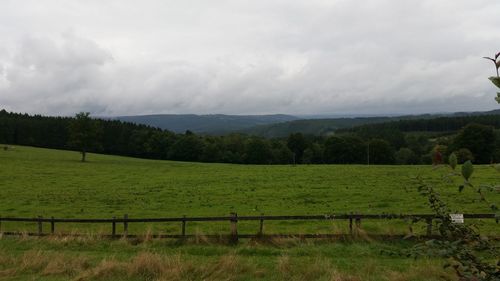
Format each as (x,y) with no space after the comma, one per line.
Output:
(353,219)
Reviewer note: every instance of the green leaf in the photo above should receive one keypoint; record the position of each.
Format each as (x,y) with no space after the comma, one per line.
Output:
(452,160)
(467,170)
(495,80)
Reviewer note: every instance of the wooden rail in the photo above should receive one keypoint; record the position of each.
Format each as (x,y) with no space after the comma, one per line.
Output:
(354,221)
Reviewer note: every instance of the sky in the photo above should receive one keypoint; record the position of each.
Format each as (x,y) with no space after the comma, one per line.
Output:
(307,57)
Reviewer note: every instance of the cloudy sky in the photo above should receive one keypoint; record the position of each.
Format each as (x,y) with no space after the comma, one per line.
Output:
(247,57)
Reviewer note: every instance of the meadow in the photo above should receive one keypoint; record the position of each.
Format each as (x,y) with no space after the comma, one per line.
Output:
(35,181)
(86,259)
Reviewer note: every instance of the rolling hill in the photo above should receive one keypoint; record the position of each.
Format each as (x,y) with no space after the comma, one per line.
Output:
(272,126)
(330,125)
(215,124)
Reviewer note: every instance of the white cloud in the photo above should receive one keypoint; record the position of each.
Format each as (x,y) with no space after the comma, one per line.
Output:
(247,57)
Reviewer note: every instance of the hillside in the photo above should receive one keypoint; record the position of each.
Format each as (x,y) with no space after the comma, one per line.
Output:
(311,126)
(54,183)
(210,124)
(330,125)
(271,126)
(49,182)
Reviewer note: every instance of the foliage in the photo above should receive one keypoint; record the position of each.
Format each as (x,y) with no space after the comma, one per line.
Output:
(187,148)
(467,170)
(405,156)
(380,152)
(257,151)
(463,154)
(314,154)
(461,243)
(297,144)
(346,149)
(496,80)
(477,138)
(119,138)
(437,124)
(83,133)
(453,161)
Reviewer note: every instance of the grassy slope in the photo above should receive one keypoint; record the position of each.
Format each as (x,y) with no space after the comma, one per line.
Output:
(53,183)
(46,182)
(49,182)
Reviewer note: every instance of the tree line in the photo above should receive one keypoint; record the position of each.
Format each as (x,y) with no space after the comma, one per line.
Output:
(385,145)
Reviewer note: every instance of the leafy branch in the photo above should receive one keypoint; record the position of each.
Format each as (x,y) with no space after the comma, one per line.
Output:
(495,80)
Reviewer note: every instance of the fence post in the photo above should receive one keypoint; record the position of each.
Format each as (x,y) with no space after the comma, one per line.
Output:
(429,226)
(350,224)
(40,230)
(52,225)
(113,228)
(125,225)
(184,226)
(234,230)
(261,227)
(358,221)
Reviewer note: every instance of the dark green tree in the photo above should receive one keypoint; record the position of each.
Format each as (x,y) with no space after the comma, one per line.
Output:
(344,150)
(297,144)
(188,147)
(84,133)
(281,153)
(381,152)
(463,155)
(405,156)
(477,138)
(258,151)
(314,154)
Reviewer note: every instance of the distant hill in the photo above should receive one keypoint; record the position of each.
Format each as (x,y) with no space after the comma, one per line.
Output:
(215,124)
(311,126)
(328,126)
(271,126)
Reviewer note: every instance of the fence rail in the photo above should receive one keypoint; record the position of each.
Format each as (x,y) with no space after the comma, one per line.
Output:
(233,218)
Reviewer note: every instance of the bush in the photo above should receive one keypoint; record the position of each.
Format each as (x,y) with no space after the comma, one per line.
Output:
(463,155)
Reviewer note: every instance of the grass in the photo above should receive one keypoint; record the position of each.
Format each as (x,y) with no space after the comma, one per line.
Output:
(45,182)
(88,259)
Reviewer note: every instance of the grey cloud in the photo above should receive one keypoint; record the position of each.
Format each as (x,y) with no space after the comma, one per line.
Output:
(247,57)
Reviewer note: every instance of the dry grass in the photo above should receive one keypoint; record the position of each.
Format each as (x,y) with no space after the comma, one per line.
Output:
(427,271)
(43,263)
(33,261)
(153,267)
(149,266)
(107,269)
(227,265)
(317,269)
(63,265)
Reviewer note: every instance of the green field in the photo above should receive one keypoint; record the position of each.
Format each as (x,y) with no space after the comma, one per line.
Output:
(48,183)
(44,182)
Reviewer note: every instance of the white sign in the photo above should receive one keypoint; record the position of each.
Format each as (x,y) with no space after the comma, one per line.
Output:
(457,218)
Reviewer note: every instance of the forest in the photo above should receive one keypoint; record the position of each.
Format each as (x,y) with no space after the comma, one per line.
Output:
(425,141)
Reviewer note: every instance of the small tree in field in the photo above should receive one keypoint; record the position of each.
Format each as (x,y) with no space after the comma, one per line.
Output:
(83,133)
